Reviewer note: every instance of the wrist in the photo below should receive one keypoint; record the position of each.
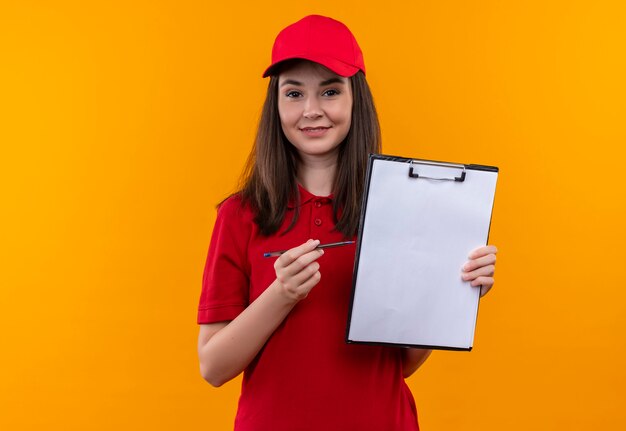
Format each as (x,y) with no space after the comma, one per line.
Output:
(282,296)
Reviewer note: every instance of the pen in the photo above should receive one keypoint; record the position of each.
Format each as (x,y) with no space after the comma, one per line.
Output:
(330,245)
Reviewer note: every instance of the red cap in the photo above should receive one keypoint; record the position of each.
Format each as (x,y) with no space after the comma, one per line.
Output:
(319,39)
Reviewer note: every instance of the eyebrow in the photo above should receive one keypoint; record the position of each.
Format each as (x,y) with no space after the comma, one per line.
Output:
(291,82)
(322,84)
(331,81)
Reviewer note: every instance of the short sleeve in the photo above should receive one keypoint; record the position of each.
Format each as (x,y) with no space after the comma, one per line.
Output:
(225,282)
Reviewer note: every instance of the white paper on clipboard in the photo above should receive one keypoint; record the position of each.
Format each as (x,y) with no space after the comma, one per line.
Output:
(414,237)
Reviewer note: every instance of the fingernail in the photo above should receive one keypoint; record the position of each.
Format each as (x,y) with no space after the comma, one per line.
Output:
(317,241)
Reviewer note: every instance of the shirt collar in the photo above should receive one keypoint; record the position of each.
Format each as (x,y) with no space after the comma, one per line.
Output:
(305,197)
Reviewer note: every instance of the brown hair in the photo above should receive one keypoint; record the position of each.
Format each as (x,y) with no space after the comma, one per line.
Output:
(269,177)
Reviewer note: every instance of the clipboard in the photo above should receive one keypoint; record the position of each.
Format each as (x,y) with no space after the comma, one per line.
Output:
(419,221)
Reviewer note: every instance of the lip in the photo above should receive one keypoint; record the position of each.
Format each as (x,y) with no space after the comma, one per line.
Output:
(314,131)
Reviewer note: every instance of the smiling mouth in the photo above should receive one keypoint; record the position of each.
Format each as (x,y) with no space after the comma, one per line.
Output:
(313,129)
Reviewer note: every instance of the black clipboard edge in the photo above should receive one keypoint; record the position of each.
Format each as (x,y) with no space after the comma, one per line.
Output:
(408,160)
(368,175)
(493,205)
(412,346)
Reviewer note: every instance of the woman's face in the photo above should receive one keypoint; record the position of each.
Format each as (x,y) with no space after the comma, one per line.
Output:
(315,108)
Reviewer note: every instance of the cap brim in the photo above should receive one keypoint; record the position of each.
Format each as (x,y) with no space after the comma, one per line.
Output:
(336,66)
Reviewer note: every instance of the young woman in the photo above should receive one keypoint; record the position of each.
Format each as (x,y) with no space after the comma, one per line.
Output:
(282,320)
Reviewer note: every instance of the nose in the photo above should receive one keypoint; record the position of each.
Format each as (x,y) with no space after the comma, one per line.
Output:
(312,109)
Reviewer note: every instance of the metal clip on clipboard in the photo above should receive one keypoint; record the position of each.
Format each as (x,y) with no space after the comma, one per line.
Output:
(445,165)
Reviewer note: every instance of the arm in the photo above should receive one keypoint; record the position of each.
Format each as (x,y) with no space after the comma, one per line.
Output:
(225,349)
(413,359)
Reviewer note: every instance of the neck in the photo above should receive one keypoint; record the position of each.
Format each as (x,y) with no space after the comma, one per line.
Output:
(318,176)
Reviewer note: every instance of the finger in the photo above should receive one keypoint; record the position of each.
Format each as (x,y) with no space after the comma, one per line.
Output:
(301,263)
(483,251)
(307,279)
(293,254)
(308,285)
(483,281)
(473,264)
(488,270)
(484,289)
(302,276)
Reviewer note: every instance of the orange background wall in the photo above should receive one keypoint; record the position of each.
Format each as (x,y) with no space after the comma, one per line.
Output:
(122,124)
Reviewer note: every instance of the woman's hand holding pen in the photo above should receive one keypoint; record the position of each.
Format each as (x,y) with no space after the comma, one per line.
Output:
(225,349)
(297,271)
(481,267)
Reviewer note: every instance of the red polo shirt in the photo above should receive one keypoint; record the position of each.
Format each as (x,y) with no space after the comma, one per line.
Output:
(306,377)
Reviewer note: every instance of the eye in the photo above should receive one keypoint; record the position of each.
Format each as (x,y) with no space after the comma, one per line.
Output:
(331,92)
(293,94)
